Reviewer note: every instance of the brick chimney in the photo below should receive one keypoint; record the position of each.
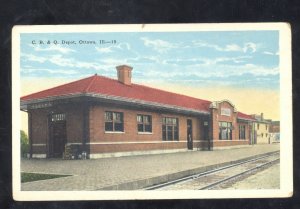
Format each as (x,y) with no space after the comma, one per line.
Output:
(124,74)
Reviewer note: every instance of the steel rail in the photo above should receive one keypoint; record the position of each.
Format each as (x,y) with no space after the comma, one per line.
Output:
(237,175)
(195,176)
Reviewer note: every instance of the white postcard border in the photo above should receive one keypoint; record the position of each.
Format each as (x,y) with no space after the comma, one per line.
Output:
(286,146)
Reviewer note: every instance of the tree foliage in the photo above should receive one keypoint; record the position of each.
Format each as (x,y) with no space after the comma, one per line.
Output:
(24,143)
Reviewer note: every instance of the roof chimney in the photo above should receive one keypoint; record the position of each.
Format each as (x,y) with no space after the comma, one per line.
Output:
(124,74)
(262,116)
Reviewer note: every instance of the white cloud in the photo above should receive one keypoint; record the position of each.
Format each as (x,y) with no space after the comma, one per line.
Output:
(51,71)
(57,48)
(104,49)
(144,60)
(213,70)
(260,70)
(270,53)
(159,45)
(70,62)
(33,58)
(61,61)
(205,62)
(204,44)
(232,47)
(218,60)
(109,49)
(247,47)
(190,61)
(113,61)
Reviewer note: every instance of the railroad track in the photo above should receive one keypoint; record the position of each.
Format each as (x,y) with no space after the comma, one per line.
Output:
(217,177)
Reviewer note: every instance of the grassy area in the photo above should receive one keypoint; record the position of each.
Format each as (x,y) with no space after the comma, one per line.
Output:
(28,177)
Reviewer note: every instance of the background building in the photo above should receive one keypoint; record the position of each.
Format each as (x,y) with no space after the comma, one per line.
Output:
(261,129)
(274,131)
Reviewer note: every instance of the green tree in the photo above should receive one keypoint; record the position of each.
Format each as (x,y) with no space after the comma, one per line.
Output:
(24,143)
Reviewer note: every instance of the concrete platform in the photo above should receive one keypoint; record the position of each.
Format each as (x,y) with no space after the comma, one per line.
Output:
(132,172)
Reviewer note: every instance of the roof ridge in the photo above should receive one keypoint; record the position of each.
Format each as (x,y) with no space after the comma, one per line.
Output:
(90,84)
(144,86)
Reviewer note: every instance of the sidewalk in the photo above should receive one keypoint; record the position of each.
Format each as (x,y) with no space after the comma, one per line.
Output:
(131,172)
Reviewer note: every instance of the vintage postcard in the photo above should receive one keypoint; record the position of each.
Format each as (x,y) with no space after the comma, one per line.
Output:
(159,111)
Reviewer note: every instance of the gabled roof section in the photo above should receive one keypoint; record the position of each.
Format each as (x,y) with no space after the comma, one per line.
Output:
(80,86)
(100,85)
(244,116)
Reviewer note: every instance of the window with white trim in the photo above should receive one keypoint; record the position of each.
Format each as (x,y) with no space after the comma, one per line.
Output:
(170,129)
(114,121)
(144,123)
(242,132)
(225,131)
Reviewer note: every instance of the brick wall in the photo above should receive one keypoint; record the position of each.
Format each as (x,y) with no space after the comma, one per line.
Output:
(217,117)
(100,140)
(39,126)
(74,123)
(39,134)
(39,148)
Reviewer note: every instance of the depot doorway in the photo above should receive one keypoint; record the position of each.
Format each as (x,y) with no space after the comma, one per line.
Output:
(58,135)
(189,124)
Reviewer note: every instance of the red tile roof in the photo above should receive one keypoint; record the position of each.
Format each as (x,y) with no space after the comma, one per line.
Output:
(107,86)
(244,116)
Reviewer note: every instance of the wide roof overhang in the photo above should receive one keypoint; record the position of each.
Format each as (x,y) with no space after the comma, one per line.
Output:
(91,97)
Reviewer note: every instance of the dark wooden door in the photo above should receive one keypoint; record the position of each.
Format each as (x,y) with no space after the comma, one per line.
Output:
(189,134)
(205,132)
(58,138)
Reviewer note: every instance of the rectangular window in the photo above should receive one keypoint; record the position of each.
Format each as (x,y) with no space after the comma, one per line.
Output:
(114,121)
(258,126)
(225,131)
(58,117)
(170,129)
(242,132)
(225,111)
(144,123)
(266,127)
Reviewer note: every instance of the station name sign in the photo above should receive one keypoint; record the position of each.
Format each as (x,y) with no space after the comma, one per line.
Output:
(225,111)
(39,105)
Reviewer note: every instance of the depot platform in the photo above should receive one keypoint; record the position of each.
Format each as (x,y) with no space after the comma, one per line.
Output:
(132,172)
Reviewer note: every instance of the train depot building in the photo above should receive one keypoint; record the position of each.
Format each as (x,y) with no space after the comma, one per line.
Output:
(102,117)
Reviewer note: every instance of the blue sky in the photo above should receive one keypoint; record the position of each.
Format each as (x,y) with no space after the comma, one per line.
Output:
(241,59)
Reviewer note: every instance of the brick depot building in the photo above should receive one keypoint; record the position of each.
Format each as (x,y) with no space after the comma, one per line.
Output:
(105,117)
